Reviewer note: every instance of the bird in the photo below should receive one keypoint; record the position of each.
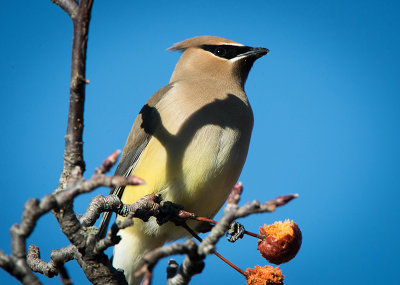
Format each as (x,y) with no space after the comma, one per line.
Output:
(188,143)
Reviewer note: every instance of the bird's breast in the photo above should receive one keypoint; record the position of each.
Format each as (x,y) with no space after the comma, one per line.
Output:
(198,148)
(205,161)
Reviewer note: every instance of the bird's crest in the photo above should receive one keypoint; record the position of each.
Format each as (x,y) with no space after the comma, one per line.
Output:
(199,41)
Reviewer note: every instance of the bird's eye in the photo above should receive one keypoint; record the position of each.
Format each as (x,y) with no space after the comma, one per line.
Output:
(220,51)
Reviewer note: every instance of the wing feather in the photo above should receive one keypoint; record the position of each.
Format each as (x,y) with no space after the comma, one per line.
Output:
(137,141)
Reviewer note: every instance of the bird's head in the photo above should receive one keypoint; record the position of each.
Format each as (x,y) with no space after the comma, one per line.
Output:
(216,58)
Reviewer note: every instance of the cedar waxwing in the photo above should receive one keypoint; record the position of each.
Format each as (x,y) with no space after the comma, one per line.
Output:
(189,142)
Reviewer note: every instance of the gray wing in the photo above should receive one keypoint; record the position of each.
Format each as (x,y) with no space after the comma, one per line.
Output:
(139,136)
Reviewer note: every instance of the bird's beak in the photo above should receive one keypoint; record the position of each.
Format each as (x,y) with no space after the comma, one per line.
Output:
(256,52)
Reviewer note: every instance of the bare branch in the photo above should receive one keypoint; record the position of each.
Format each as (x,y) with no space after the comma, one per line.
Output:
(232,212)
(60,257)
(108,163)
(73,153)
(236,192)
(256,208)
(88,250)
(193,263)
(18,268)
(69,6)
(144,208)
(82,240)
(38,265)
(110,240)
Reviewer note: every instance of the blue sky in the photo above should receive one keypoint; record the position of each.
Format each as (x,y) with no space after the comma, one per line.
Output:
(326,105)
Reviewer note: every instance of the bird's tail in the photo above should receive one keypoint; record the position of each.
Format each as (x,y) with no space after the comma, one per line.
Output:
(128,253)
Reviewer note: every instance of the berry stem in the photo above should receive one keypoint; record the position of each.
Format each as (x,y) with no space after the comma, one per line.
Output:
(254,235)
(196,236)
(203,219)
(231,264)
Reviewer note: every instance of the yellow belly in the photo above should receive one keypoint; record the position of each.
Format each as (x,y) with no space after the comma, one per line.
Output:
(197,176)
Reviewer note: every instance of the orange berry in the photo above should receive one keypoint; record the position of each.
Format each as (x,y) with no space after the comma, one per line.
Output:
(281,243)
(267,275)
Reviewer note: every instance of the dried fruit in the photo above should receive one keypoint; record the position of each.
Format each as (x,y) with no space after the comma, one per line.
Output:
(281,242)
(267,275)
